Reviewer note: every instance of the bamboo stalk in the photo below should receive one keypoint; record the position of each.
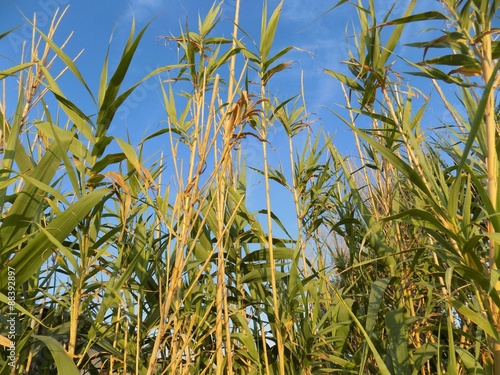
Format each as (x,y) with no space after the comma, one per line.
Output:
(270,247)
(492,171)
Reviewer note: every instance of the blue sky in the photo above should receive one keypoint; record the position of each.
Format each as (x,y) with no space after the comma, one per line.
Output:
(92,23)
(320,43)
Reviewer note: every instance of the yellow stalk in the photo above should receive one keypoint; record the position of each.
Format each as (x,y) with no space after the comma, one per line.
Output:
(125,342)
(301,245)
(279,338)
(492,170)
(264,346)
(73,325)
(223,174)
(221,276)
(228,129)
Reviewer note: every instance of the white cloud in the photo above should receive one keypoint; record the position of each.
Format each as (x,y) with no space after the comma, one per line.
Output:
(145,10)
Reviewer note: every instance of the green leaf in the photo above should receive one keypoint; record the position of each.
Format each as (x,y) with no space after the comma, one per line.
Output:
(398,341)
(130,154)
(14,149)
(425,16)
(4,34)
(64,363)
(28,200)
(433,73)
(271,60)
(395,160)
(478,119)
(375,301)
(428,217)
(76,115)
(28,261)
(11,71)
(263,254)
(107,160)
(395,35)
(487,326)
(210,21)
(423,354)
(345,80)
(110,99)
(454,60)
(268,31)
(65,251)
(469,362)
(495,46)
(261,275)
(382,367)
(275,69)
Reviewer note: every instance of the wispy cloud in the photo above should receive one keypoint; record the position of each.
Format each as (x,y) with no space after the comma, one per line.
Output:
(303,11)
(145,10)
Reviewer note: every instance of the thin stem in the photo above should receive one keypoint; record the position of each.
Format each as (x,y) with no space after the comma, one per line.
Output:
(270,246)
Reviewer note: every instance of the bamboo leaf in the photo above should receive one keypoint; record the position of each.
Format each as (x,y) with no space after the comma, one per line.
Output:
(423,354)
(77,148)
(275,69)
(108,160)
(4,34)
(433,73)
(478,119)
(470,363)
(268,31)
(455,60)
(12,71)
(345,80)
(28,261)
(260,275)
(263,254)
(111,101)
(81,121)
(28,200)
(476,317)
(396,34)
(271,60)
(64,363)
(14,150)
(210,21)
(58,245)
(130,154)
(425,16)
(398,341)
(382,367)
(375,301)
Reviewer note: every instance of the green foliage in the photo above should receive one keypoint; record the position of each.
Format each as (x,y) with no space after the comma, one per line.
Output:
(127,264)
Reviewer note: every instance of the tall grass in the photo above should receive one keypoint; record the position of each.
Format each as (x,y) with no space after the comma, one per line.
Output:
(426,208)
(129,263)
